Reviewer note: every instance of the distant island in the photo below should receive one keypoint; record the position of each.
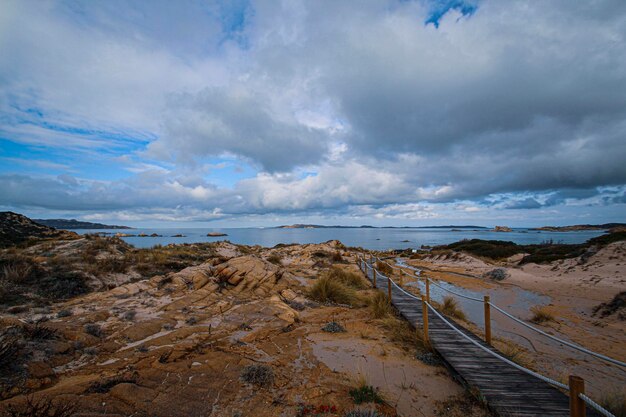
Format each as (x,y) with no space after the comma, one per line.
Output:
(319,226)
(73,224)
(578,227)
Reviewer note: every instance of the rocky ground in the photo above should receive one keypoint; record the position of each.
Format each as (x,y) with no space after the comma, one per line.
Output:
(208,330)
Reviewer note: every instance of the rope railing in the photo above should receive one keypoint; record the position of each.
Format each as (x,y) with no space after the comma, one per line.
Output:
(491,352)
(591,403)
(565,342)
(522,322)
(587,400)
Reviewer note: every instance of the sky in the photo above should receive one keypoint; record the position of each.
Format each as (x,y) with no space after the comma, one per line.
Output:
(252,113)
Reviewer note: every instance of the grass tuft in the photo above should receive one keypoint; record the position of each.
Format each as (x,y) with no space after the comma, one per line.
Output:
(275,258)
(450,307)
(541,315)
(384,268)
(379,305)
(261,375)
(347,278)
(327,290)
(366,394)
(615,402)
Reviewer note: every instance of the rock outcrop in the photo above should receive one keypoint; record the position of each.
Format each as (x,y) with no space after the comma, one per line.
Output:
(16,228)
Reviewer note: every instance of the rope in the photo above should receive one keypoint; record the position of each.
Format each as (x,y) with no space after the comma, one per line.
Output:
(454,292)
(502,358)
(591,403)
(550,381)
(572,345)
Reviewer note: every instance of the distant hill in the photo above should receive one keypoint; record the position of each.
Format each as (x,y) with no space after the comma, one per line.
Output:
(318,226)
(573,228)
(16,228)
(76,224)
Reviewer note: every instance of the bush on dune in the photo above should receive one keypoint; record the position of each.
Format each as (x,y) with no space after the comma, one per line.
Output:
(380,305)
(450,307)
(347,278)
(330,290)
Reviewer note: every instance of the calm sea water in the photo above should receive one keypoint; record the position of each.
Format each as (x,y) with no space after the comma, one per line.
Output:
(377,239)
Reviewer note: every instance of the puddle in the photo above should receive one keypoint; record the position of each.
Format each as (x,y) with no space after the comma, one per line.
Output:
(548,356)
(515,300)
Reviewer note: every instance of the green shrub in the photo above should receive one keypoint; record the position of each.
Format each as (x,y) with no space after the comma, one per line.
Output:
(366,394)
(275,258)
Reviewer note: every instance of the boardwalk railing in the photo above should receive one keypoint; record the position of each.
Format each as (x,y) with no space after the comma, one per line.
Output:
(575,388)
(488,303)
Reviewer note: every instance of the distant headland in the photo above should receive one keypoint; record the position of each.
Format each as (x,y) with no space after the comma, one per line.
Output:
(319,226)
(73,224)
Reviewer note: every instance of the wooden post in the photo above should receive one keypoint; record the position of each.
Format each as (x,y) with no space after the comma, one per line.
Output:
(487,320)
(576,404)
(425,319)
(389,289)
(374,277)
(427,281)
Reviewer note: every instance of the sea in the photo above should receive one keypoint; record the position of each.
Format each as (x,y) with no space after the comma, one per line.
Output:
(368,238)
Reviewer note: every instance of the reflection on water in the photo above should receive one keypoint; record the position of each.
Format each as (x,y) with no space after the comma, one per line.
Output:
(550,357)
(515,300)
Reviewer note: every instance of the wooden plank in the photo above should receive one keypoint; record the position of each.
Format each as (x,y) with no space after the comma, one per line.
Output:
(507,390)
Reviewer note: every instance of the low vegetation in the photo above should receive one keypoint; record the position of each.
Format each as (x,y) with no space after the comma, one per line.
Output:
(450,307)
(366,394)
(328,290)
(347,278)
(384,268)
(275,258)
(261,375)
(615,402)
(616,306)
(513,352)
(541,314)
(379,305)
(539,253)
(333,327)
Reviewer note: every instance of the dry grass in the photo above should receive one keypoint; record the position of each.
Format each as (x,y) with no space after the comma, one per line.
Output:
(450,307)
(541,315)
(379,305)
(384,268)
(261,375)
(328,290)
(400,332)
(347,278)
(275,258)
(514,352)
(364,392)
(615,402)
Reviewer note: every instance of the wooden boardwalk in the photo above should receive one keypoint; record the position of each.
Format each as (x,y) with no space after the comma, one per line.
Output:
(507,390)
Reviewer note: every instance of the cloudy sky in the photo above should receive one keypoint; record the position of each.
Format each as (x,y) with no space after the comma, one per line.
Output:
(258,113)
